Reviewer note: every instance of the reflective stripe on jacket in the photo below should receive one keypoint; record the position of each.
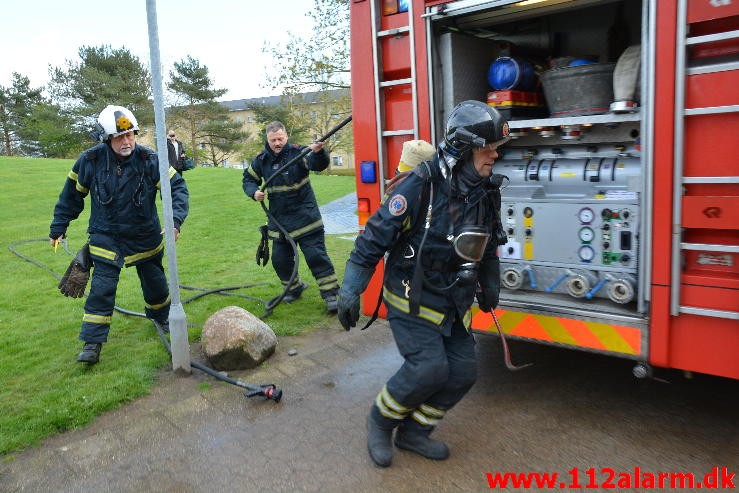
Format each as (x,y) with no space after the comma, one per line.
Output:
(290,195)
(124,223)
(441,301)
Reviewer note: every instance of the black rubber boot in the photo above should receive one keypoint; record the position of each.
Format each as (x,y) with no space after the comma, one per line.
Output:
(294,294)
(415,437)
(90,353)
(163,324)
(332,303)
(379,443)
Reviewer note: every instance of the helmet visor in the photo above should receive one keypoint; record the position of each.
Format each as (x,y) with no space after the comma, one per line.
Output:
(492,146)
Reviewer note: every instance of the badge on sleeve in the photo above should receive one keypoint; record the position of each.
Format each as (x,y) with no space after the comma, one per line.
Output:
(397,204)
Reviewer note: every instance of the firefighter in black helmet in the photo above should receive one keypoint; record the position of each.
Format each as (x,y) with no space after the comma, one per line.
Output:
(441,227)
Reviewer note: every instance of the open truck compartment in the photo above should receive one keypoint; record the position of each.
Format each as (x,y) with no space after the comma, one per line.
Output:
(572,207)
(623,179)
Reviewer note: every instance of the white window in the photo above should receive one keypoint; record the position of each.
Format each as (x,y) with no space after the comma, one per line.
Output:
(337,160)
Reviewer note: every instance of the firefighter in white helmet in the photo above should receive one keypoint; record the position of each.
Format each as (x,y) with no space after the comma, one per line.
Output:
(122,180)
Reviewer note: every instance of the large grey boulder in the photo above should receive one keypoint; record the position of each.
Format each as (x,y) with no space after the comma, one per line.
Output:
(234,339)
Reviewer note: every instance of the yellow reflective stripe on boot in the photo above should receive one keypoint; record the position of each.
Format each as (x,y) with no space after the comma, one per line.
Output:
(96,319)
(102,252)
(328,283)
(160,305)
(402,304)
(389,407)
(427,415)
(431,411)
(142,255)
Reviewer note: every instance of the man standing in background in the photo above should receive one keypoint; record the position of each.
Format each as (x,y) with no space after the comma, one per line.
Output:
(175,152)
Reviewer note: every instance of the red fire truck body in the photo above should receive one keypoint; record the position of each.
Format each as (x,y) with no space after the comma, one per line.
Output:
(622,221)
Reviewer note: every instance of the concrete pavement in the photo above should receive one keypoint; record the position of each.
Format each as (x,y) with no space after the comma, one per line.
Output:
(571,411)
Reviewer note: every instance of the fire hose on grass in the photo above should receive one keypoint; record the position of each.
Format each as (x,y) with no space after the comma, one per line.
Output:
(263,249)
(268,391)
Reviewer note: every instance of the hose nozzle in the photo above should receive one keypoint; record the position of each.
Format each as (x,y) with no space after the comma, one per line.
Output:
(269,391)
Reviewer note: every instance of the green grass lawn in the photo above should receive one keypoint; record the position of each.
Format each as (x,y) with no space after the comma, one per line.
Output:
(43,390)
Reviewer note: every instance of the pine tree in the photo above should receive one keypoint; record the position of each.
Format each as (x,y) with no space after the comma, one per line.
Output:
(205,121)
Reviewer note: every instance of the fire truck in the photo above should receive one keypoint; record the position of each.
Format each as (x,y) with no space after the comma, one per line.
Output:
(621,207)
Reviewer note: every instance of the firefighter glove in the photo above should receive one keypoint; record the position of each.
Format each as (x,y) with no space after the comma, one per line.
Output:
(487,296)
(355,282)
(263,248)
(74,280)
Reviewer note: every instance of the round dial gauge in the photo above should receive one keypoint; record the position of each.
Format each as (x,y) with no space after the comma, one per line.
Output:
(586,234)
(586,253)
(586,215)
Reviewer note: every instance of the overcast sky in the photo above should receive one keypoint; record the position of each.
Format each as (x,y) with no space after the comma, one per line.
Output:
(227,36)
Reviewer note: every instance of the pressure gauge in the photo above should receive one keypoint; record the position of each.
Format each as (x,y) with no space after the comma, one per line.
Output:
(586,215)
(586,234)
(586,253)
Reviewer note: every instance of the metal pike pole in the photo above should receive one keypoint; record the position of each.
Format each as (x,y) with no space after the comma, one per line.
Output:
(177,319)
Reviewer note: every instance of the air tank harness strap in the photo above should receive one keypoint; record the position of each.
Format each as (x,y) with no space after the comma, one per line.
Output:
(427,197)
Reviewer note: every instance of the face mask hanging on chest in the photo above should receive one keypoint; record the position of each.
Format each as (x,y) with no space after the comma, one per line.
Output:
(470,243)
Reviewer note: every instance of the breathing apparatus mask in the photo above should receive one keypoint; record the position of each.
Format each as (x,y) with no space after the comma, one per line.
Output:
(470,245)
(472,240)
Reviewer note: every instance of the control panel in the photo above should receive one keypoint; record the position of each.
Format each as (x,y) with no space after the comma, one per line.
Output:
(572,220)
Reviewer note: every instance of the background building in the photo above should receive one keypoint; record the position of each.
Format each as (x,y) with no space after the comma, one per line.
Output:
(319,110)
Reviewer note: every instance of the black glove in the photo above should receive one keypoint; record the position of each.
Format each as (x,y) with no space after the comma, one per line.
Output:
(74,280)
(487,301)
(263,248)
(348,310)
(487,297)
(355,282)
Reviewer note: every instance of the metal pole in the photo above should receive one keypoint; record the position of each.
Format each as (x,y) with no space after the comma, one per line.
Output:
(177,319)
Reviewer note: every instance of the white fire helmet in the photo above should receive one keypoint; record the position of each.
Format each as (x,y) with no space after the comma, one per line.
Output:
(117,120)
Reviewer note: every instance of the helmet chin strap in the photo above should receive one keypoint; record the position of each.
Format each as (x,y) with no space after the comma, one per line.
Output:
(449,162)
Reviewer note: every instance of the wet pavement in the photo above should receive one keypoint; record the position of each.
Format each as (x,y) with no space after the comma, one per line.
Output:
(570,412)
(579,415)
(339,216)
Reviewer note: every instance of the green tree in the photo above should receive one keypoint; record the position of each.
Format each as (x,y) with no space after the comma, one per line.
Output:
(286,112)
(307,117)
(102,76)
(52,131)
(16,104)
(221,137)
(322,111)
(319,62)
(195,109)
